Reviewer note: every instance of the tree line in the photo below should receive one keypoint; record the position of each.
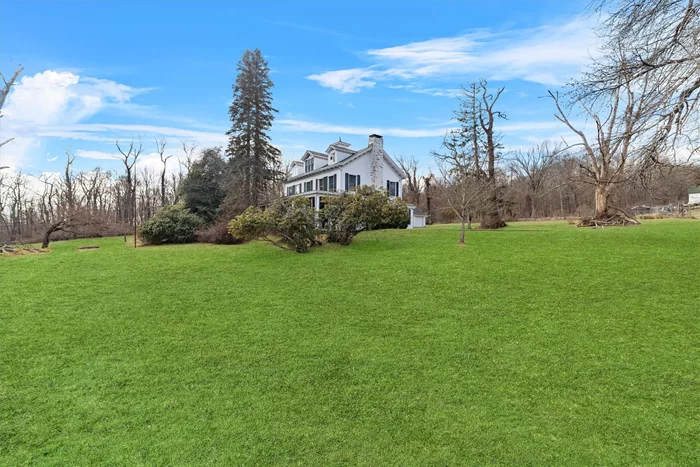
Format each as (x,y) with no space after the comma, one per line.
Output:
(640,146)
(215,183)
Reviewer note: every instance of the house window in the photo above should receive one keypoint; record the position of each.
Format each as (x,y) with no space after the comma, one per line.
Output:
(392,187)
(323,184)
(291,190)
(309,186)
(351,181)
(309,164)
(332,182)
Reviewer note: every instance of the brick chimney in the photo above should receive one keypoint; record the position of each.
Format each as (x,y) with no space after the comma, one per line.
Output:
(377,141)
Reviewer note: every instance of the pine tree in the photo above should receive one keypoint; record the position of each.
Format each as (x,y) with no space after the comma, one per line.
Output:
(254,160)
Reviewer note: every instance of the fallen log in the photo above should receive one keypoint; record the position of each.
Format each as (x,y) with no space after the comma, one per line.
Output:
(616,220)
(88,247)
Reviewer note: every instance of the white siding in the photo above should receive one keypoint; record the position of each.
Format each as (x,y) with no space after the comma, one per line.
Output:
(693,198)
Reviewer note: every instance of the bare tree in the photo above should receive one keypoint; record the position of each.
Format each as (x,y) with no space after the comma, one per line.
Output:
(462,187)
(429,182)
(463,193)
(188,149)
(129,156)
(412,185)
(160,148)
(534,166)
(487,119)
(4,91)
(70,222)
(620,123)
(654,44)
(68,180)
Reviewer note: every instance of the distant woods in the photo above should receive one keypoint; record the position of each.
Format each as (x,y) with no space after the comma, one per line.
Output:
(214,184)
(639,144)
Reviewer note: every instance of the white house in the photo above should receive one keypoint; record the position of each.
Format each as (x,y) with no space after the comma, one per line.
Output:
(321,174)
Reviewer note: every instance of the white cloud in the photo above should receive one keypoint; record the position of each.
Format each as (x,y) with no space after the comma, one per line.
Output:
(110,132)
(347,80)
(53,104)
(549,55)
(62,97)
(439,92)
(100,155)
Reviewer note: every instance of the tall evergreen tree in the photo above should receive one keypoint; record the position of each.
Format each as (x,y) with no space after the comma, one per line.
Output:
(254,160)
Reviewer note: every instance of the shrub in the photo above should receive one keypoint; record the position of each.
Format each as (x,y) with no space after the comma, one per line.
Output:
(395,215)
(172,224)
(217,233)
(346,215)
(287,224)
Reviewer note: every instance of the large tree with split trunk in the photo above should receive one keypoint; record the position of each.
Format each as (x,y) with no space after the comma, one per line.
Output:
(639,97)
(612,131)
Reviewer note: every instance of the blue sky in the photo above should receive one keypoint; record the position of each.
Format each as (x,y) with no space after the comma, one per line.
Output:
(98,71)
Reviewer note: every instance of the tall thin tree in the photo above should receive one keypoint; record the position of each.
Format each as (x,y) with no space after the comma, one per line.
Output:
(254,160)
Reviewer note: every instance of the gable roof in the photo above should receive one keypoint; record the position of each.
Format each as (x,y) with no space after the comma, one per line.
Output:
(340,146)
(346,161)
(320,155)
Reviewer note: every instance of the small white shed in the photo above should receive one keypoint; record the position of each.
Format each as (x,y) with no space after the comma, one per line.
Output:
(417,217)
(694,195)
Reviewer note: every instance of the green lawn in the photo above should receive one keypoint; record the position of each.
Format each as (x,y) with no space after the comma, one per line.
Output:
(539,344)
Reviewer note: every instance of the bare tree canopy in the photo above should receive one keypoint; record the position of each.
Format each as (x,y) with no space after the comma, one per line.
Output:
(412,185)
(652,43)
(534,165)
(620,121)
(4,91)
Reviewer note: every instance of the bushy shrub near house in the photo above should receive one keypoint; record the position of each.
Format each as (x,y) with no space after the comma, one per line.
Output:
(172,224)
(395,215)
(288,224)
(367,208)
(217,233)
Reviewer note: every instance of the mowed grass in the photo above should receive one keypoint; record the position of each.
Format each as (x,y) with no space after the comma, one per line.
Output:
(539,344)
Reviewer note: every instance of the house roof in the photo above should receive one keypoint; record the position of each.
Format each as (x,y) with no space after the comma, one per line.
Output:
(418,212)
(331,166)
(320,155)
(353,156)
(693,189)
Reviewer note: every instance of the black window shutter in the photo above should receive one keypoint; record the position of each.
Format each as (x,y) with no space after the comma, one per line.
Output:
(358,181)
(347,183)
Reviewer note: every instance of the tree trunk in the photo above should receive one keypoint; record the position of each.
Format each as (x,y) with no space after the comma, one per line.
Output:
(492,218)
(461,233)
(602,199)
(469,222)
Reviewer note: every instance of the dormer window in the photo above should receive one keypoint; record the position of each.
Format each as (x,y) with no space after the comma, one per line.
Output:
(309,164)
